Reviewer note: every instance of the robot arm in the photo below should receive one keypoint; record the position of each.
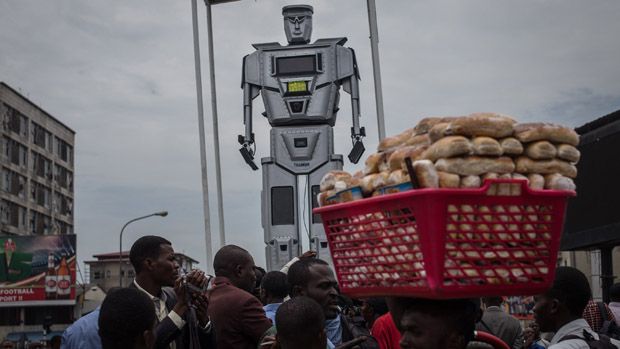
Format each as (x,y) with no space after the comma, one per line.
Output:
(250,92)
(351,86)
(247,141)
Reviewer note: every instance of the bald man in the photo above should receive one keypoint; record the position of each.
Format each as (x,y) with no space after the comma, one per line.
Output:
(237,315)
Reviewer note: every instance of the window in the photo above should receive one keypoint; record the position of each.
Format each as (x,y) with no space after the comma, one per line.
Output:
(41,194)
(107,274)
(40,224)
(97,275)
(41,166)
(15,152)
(41,137)
(15,121)
(64,150)
(13,183)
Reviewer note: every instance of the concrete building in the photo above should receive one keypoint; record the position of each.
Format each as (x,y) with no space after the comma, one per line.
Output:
(103,271)
(36,190)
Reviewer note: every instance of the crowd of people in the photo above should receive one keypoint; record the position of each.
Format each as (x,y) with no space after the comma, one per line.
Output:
(300,307)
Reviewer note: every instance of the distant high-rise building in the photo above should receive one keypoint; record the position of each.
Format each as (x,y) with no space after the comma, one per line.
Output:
(36,204)
(37,157)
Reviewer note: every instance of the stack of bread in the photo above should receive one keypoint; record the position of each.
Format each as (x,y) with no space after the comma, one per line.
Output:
(461,152)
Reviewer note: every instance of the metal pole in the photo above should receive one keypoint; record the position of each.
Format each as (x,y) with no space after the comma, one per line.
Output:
(120,242)
(201,132)
(376,69)
(216,133)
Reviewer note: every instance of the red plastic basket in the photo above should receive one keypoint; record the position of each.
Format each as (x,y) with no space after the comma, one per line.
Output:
(447,243)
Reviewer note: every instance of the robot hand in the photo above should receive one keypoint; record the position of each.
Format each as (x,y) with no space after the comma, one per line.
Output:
(358,146)
(247,152)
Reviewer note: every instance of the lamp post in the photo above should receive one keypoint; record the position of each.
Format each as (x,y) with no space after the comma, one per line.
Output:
(120,242)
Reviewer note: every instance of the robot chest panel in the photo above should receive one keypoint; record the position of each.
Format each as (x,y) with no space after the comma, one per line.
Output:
(314,65)
(300,84)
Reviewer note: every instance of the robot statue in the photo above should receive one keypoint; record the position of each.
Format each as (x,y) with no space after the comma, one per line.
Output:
(300,86)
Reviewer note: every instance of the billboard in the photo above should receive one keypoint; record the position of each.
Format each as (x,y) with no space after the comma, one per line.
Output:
(37,270)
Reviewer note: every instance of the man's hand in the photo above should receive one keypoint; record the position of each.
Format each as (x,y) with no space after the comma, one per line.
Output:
(201,302)
(308,254)
(181,307)
(352,344)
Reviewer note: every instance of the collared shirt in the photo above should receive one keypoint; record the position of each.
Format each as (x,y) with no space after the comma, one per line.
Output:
(161,311)
(615,309)
(270,311)
(84,333)
(576,328)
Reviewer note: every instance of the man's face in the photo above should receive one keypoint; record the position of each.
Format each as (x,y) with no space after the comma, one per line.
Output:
(421,331)
(247,275)
(165,267)
(322,287)
(544,308)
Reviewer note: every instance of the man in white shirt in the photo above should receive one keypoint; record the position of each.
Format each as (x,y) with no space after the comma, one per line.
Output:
(157,275)
(560,310)
(614,304)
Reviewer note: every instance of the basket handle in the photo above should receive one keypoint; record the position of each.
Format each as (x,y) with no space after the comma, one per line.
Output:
(488,184)
(412,177)
(490,339)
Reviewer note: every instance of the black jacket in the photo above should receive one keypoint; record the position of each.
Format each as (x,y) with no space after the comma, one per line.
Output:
(166,331)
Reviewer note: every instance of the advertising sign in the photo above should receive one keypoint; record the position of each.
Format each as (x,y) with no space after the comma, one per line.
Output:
(37,270)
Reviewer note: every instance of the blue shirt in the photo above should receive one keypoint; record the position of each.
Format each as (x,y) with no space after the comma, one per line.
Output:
(84,333)
(270,311)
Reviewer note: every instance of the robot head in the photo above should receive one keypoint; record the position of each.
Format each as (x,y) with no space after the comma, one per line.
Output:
(298,23)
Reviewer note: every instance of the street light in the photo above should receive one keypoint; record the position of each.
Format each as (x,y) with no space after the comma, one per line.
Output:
(120,242)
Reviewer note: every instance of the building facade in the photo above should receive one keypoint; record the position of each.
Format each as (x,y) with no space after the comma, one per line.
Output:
(104,270)
(36,190)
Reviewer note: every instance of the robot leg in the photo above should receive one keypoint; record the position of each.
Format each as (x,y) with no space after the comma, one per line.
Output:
(279,214)
(318,240)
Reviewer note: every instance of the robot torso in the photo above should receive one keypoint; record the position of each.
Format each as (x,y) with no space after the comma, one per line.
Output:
(300,84)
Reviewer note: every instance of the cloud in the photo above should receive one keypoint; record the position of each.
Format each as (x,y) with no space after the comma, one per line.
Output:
(121,73)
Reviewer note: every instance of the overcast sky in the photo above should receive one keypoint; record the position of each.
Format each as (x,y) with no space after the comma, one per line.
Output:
(121,74)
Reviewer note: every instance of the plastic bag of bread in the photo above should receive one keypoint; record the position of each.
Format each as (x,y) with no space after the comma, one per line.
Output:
(486,146)
(425,125)
(397,158)
(541,150)
(390,143)
(448,147)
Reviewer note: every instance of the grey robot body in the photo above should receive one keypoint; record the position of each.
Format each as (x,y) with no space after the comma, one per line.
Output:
(300,85)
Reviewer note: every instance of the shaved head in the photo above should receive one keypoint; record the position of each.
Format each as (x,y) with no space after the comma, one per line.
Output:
(236,264)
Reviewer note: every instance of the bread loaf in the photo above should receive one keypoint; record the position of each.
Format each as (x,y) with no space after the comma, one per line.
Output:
(425,125)
(470,182)
(541,150)
(398,177)
(536,181)
(373,181)
(569,153)
(558,182)
(426,174)
(482,124)
(328,181)
(475,165)
(389,143)
(448,147)
(531,132)
(511,146)
(504,189)
(419,140)
(515,189)
(438,131)
(372,163)
(448,180)
(486,146)
(398,157)
(527,165)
